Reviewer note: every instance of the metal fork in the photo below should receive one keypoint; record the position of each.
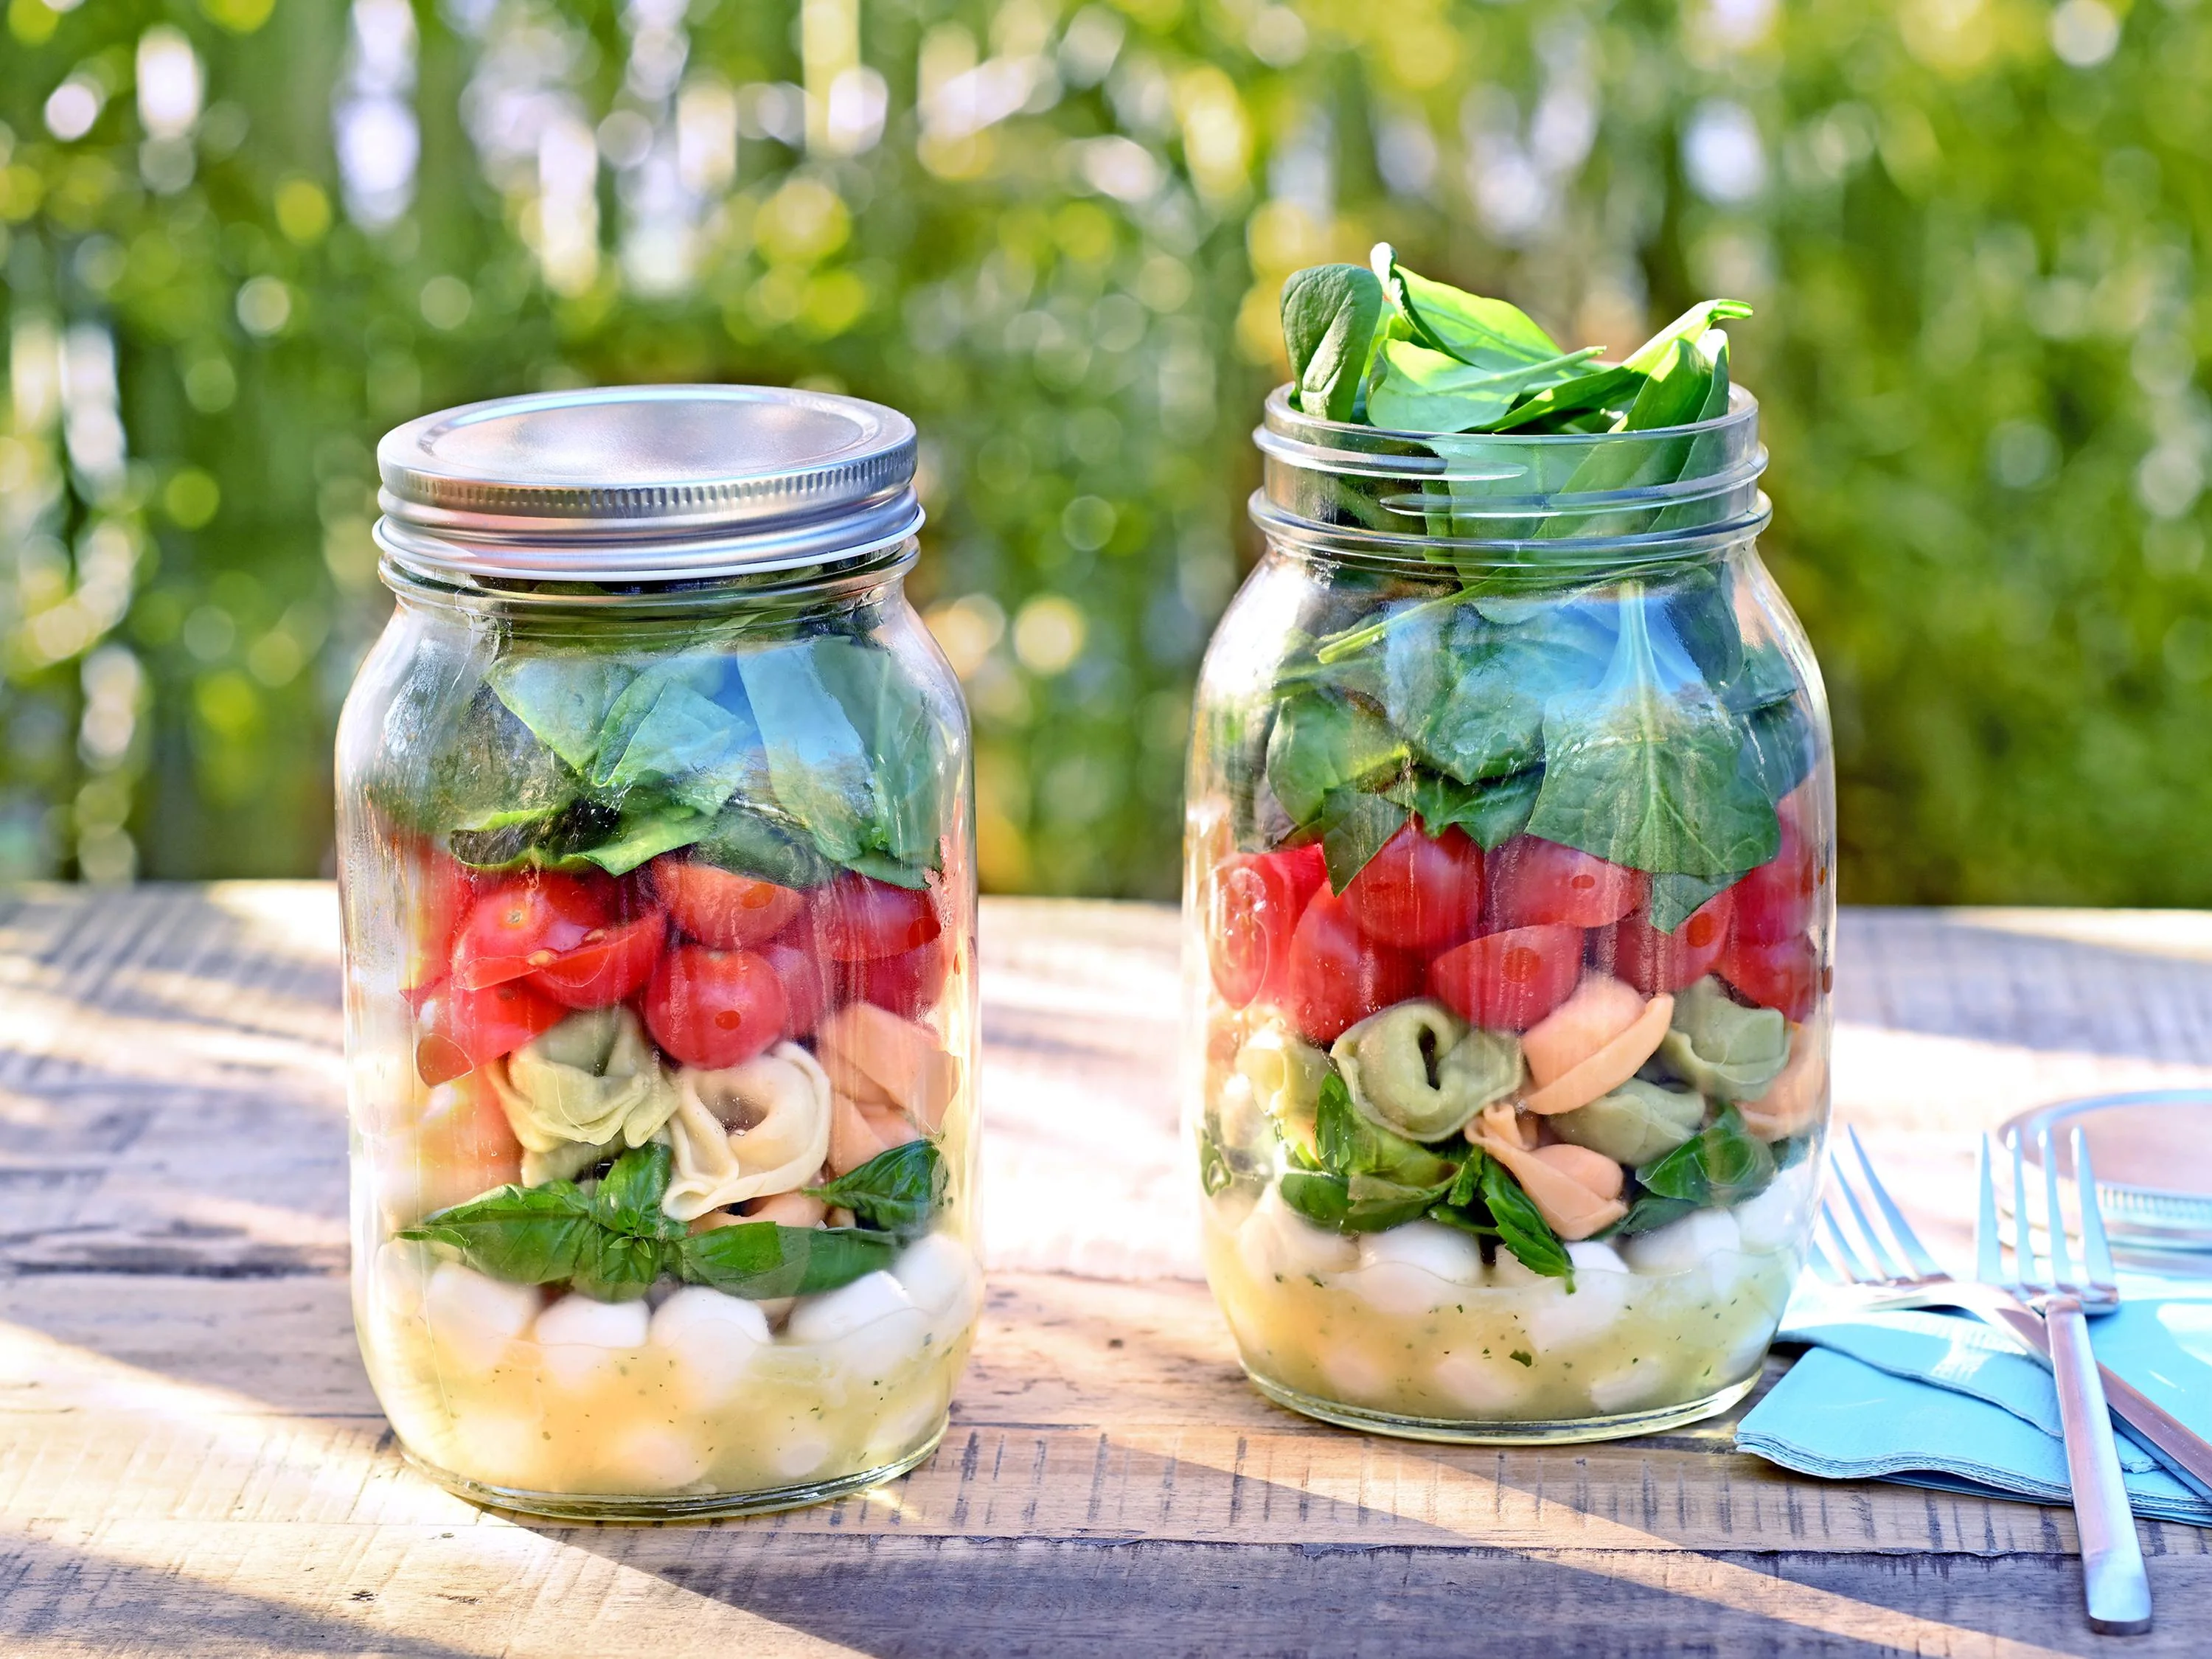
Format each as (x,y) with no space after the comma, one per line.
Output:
(1882,1280)
(2117,1588)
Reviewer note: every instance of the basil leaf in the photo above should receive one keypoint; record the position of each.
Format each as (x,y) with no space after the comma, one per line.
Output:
(761,1261)
(629,1196)
(512,840)
(1646,770)
(1329,314)
(884,867)
(527,1235)
(667,732)
(1322,742)
(643,833)
(1723,1165)
(1357,1203)
(563,698)
(818,765)
(1522,1228)
(745,840)
(897,1191)
(485,771)
(1353,829)
(906,745)
(616,1266)
(1648,1212)
(1351,1143)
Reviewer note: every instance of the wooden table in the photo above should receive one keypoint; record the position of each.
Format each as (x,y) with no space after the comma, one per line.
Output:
(190,1462)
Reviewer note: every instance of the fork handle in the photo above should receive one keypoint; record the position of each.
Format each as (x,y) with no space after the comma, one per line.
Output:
(2118,1589)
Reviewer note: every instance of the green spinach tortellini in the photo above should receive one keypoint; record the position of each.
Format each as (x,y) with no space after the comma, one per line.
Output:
(593,1081)
(1637,1122)
(1286,1073)
(1722,1049)
(1421,1070)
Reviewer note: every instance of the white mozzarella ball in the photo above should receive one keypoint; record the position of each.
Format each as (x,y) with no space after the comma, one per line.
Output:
(1594,1256)
(1772,1220)
(712,1340)
(1630,1386)
(653,1457)
(1277,1242)
(907,1423)
(580,1336)
(833,1314)
(797,1452)
(474,1319)
(937,1272)
(1353,1374)
(1496,1386)
(1746,1349)
(498,1447)
(1507,1269)
(1415,1268)
(398,1279)
(1682,1246)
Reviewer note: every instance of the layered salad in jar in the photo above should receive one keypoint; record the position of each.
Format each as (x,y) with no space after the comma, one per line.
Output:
(660,953)
(1510,882)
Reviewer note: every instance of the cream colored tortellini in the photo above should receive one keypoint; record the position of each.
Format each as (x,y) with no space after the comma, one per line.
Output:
(1722,1049)
(590,1083)
(1637,1122)
(1286,1073)
(1418,1069)
(748,1131)
(1793,1100)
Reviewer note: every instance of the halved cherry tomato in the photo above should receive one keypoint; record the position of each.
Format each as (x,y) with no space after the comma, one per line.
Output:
(858,919)
(524,922)
(1784,976)
(610,964)
(1537,883)
(715,1008)
(806,994)
(1338,976)
(1776,902)
(1419,892)
(460,1029)
(1253,904)
(1653,962)
(1508,981)
(907,984)
(441,889)
(719,907)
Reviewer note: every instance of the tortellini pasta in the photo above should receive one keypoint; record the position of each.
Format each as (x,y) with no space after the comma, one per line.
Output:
(592,1082)
(1591,1043)
(1286,1073)
(1418,1069)
(1793,1101)
(1723,1050)
(748,1131)
(1638,1121)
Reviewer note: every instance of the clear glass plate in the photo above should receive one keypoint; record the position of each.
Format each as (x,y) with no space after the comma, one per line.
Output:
(2153,1153)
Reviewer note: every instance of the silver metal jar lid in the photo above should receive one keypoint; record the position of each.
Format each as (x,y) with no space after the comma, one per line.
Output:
(645,482)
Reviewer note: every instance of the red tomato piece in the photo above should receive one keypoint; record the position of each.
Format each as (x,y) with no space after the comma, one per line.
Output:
(1253,905)
(608,967)
(524,923)
(715,1008)
(805,992)
(1338,976)
(858,919)
(909,984)
(459,1029)
(1418,893)
(1508,981)
(1537,883)
(721,907)
(1784,976)
(1777,901)
(1654,962)
(441,889)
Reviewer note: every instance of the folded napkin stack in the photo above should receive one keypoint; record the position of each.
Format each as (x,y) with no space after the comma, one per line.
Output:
(1942,1400)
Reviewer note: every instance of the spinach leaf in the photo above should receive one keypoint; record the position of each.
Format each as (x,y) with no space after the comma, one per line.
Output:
(667,732)
(1765,678)
(1700,607)
(897,1191)
(1605,392)
(644,830)
(1329,314)
(1648,1212)
(564,698)
(739,838)
(627,1199)
(527,1235)
(486,770)
(1675,897)
(1353,828)
(1725,1165)
(818,765)
(1470,695)
(1467,326)
(1644,770)
(1780,750)
(1522,1228)
(1322,742)
(762,1260)
(510,840)
(1492,812)
(1423,390)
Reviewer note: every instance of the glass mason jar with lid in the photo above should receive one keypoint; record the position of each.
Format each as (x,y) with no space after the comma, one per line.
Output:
(655,848)
(1510,821)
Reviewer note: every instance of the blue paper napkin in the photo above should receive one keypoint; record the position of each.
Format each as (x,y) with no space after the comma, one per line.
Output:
(1942,1400)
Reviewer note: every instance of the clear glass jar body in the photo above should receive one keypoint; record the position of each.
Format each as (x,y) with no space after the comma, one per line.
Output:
(659,917)
(1509,925)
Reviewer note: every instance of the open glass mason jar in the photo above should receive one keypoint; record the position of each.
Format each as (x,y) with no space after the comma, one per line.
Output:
(1510,822)
(656,831)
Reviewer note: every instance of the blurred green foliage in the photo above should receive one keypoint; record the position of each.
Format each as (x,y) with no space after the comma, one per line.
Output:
(241,239)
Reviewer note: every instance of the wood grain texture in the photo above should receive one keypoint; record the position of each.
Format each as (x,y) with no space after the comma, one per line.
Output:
(190,1461)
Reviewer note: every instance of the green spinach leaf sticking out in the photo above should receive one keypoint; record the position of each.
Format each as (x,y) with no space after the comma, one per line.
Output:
(1329,314)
